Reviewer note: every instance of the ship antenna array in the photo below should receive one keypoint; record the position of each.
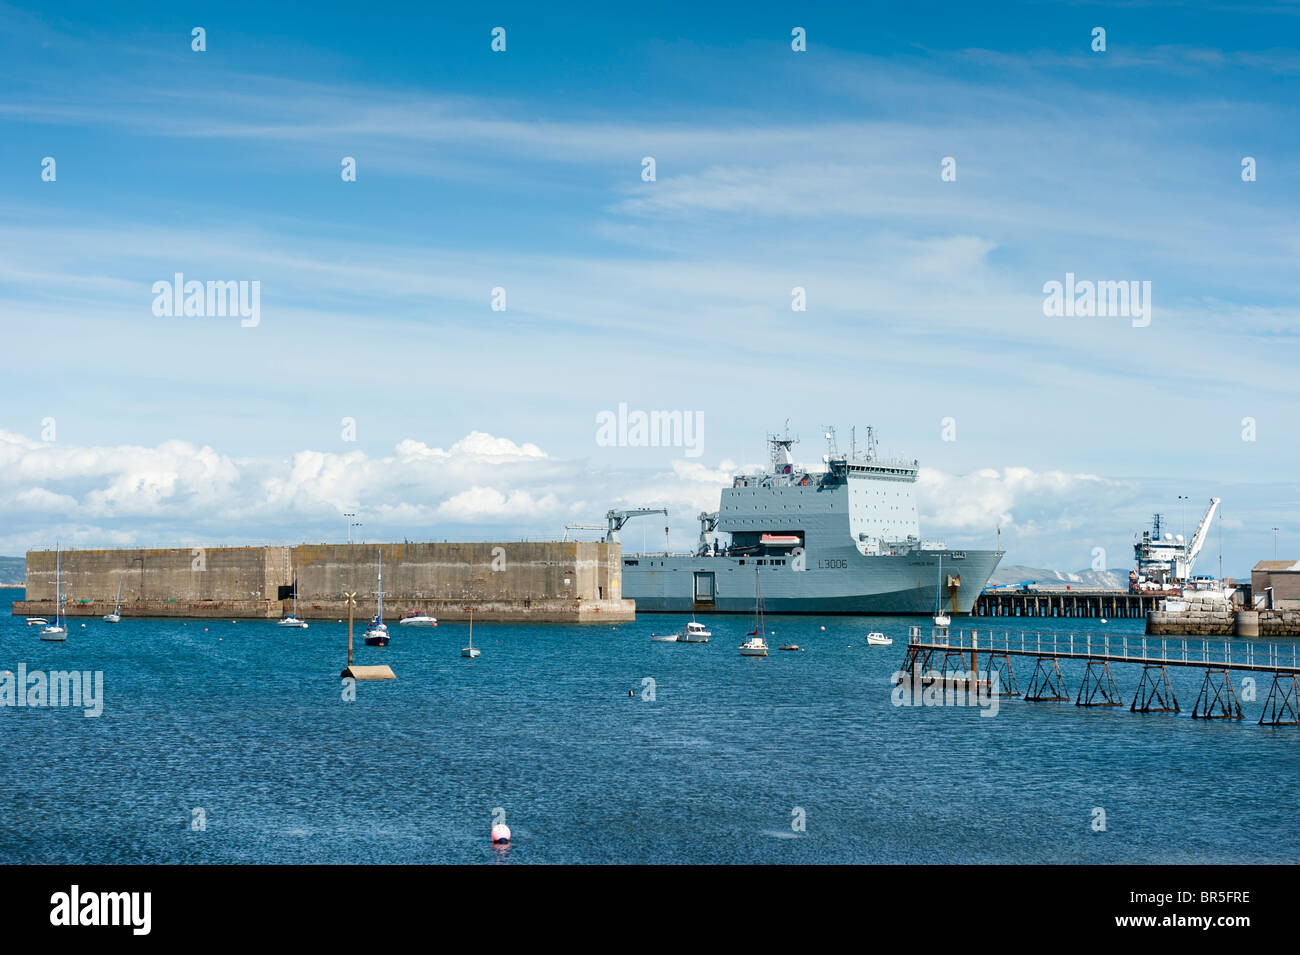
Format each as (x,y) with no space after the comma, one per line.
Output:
(832,448)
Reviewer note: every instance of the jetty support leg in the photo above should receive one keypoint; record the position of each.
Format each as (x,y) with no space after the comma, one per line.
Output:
(1098,687)
(1217,700)
(1001,665)
(1047,684)
(1282,706)
(1154,694)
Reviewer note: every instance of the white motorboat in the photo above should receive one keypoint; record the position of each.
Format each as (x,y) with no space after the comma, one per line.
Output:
(878,639)
(418,618)
(37,622)
(756,646)
(663,637)
(693,633)
(116,615)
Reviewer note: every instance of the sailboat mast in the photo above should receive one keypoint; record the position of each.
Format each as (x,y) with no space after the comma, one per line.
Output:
(381,586)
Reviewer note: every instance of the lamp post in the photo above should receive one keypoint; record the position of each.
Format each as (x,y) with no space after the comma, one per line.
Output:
(349,517)
(352,602)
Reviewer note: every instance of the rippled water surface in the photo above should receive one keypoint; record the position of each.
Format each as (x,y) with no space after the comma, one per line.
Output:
(247,722)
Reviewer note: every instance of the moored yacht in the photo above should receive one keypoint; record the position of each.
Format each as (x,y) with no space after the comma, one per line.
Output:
(418,618)
(377,634)
(57,632)
(293,619)
(116,615)
(756,645)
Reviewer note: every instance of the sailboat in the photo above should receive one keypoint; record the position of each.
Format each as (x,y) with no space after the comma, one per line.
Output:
(756,646)
(941,619)
(377,635)
(58,631)
(470,651)
(116,615)
(292,620)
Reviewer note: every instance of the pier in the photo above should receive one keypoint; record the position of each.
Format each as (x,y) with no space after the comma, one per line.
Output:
(944,655)
(1112,604)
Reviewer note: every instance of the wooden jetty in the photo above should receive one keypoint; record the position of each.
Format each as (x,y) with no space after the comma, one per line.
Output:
(1113,604)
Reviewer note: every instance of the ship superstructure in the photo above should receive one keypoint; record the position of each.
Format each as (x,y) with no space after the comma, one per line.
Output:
(1165,560)
(844,539)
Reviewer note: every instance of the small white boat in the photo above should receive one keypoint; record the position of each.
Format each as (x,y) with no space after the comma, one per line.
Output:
(878,639)
(693,633)
(37,622)
(470,651)
(293,620)
(664,637)
(756,646)
(941,619)
(57,632)
(377,635)
(116,615)
(418,618)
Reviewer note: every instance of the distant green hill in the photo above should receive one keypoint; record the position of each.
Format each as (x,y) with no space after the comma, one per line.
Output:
(12,571)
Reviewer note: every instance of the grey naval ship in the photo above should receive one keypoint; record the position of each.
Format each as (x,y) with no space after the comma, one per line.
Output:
(843,540)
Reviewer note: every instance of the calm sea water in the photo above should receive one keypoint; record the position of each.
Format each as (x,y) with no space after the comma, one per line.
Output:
(247,722)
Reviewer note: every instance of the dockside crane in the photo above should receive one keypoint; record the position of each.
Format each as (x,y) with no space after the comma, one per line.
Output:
(581,527)
(616,520)
(1198,539)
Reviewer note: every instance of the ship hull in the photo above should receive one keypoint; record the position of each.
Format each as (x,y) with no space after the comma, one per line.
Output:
(833,584)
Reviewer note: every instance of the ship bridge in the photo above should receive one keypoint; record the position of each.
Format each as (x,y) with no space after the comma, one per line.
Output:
(857,500)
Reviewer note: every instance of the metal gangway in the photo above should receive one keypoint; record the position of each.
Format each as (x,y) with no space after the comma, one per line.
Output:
(951,648)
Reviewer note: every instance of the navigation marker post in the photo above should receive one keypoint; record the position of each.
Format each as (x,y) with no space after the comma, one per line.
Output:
(381,672)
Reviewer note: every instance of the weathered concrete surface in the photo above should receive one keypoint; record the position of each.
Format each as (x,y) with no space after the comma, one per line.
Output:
(539,581)
(1224,623)
(1209,623)
(198,574)
(574,581)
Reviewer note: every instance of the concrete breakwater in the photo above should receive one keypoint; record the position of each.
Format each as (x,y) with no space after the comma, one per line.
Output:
(540,581)
(1224,622)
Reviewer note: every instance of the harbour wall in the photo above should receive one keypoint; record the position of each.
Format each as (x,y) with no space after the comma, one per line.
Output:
(539,581)
(1230,622)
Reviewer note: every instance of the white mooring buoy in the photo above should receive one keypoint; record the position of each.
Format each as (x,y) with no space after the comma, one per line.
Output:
(500,834)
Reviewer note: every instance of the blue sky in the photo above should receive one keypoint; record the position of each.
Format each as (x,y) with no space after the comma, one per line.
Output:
(522,170)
